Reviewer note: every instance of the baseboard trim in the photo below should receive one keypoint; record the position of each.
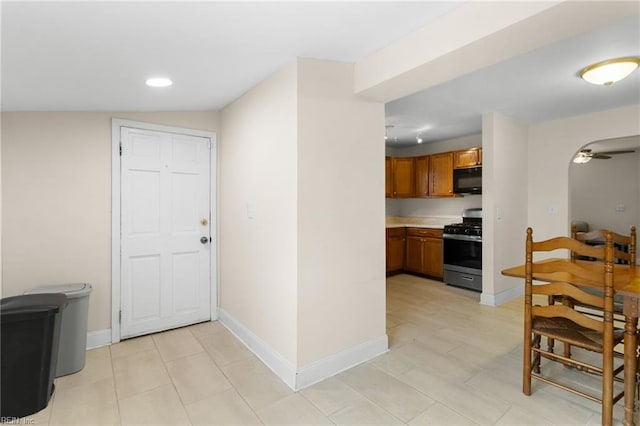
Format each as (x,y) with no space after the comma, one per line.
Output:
(99,338)
(501,297)
(271,358)
(315,372)
(341,361)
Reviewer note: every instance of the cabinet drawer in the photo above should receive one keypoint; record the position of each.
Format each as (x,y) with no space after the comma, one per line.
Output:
(424,232)
(395,232)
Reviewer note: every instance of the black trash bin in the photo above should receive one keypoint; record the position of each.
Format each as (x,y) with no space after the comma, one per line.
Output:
(29,333)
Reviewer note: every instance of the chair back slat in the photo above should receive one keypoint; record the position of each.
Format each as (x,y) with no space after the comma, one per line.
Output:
(562,311)
(565,289)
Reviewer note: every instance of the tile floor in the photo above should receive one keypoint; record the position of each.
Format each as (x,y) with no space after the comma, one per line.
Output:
(452,361)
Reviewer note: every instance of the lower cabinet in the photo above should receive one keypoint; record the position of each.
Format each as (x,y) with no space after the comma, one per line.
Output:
(424,251)
(395,249)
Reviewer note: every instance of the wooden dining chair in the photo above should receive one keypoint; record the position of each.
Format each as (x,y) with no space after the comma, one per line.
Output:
(563,323)
(620,243)
(625,249)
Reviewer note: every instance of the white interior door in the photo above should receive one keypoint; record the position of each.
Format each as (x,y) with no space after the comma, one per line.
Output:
(165,231)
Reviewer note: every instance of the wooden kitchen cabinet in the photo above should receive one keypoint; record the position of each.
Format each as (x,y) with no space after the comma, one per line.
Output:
(395,249)
(424,251)
(388,187)
(467,158)
(402,177)
(441,175)
(422,176)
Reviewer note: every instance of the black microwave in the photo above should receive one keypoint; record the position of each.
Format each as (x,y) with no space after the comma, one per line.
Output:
(467,181)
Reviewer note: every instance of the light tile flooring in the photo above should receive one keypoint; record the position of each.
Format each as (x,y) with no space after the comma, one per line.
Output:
(452,361)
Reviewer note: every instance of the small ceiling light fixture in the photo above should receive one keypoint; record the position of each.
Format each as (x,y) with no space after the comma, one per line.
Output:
(582,157)
(386,128)
(608,72)
(418,138)
(159,82)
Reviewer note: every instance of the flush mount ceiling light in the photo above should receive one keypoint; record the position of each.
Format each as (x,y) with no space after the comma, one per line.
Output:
(608,72)
(159,82)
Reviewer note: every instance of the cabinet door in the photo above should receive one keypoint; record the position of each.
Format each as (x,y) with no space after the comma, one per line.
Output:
(395,253)
(433,261)
(466,158)
(441,174)
(422,176)
(414,257)
(388,189)
(403,177)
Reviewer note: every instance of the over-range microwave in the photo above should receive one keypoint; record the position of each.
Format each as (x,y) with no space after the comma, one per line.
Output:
(467,181)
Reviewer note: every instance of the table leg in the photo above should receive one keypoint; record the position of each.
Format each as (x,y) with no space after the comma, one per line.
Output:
(630,368)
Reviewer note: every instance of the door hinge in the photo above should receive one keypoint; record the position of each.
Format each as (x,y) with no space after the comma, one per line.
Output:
(120,149)
(120,317)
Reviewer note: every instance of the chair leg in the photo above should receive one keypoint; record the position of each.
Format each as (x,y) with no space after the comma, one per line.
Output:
(536,358)
(526,366)
(567,350)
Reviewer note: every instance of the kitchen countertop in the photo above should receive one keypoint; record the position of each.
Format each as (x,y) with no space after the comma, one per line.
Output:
(435,222)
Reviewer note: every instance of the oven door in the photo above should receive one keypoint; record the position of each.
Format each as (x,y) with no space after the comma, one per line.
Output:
(463,261)
(463,252)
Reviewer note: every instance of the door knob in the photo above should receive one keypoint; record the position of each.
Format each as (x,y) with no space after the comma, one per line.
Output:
(204,240)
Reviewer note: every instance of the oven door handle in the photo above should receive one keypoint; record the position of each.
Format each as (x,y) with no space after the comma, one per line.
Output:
(462,237)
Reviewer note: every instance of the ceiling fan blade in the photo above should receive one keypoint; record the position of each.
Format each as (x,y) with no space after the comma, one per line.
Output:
(600,156)
(622,151)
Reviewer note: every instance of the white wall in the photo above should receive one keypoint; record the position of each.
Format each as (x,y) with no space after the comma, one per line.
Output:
(552,146)
(303,281)
(596,188)
(56,199)
(341,240)
(258,255)
(504,204)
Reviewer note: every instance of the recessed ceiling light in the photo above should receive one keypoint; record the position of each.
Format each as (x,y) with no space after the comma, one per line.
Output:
(159,82)
(608,72)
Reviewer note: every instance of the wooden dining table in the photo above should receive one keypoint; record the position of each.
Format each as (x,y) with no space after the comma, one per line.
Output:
(627,284)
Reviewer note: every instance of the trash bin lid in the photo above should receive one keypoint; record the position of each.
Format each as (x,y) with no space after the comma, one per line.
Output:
(31,306)
(72,291)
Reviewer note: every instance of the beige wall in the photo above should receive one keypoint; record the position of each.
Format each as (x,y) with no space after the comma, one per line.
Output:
(56,199)
(597,187)
(341,241)
(551,148)
(258,255)
(504,204)
(304,277)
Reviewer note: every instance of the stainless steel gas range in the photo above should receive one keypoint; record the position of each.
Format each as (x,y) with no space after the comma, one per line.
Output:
(462,244)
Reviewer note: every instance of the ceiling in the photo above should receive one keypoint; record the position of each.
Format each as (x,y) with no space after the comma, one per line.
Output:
(538,86)
(95,56)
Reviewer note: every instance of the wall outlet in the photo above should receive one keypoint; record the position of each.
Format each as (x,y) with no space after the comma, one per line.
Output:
(552,209)
(620,207)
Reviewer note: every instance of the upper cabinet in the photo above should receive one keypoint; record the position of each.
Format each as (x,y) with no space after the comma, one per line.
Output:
(427,175)
(422,176)
(388,187)
(402,177)
(467,158)
(441,175)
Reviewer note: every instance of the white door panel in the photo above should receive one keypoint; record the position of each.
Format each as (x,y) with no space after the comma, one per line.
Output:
(164,198)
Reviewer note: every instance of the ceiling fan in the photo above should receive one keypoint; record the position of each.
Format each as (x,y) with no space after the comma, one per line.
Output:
(585,155)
